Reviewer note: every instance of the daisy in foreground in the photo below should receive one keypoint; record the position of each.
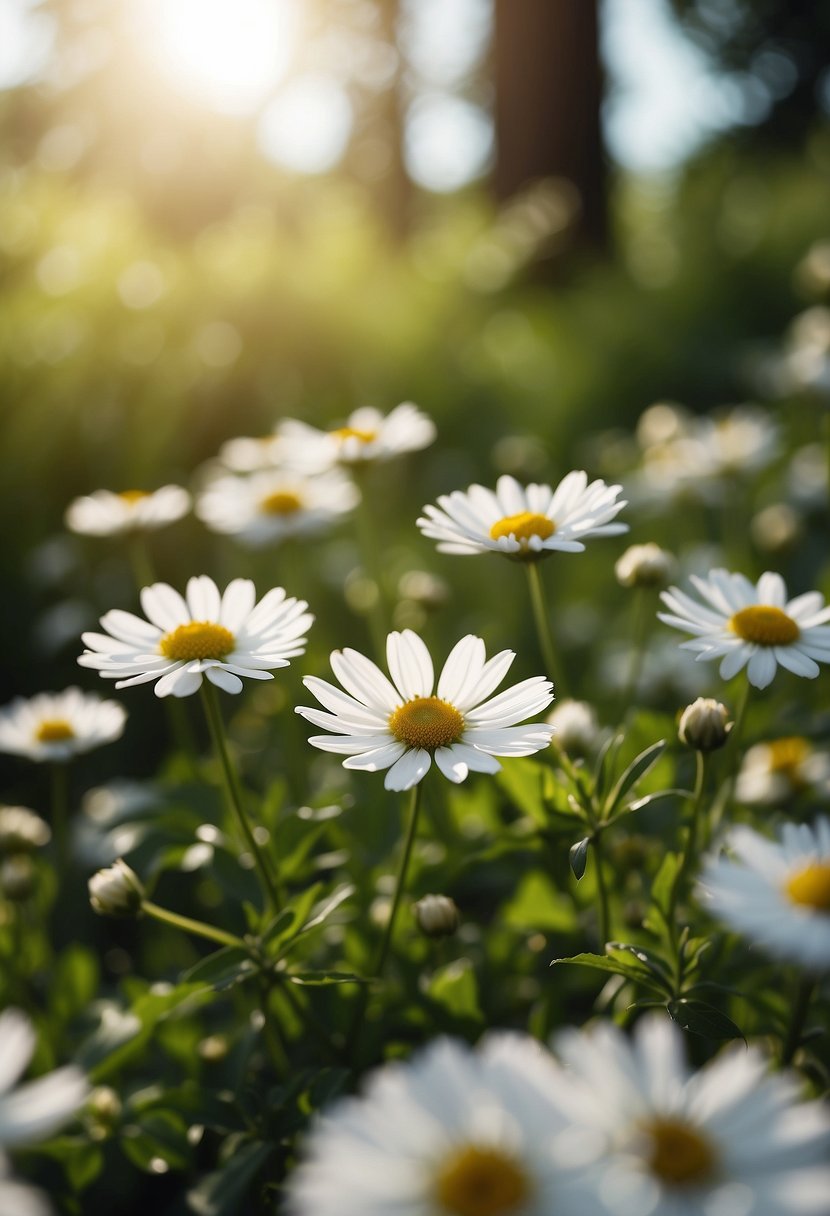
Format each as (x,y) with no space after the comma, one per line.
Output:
(55,726)
(30,1112)
(207,634)
(402,725)
(777,893)
(524,523)
(105,513)
(756,627)
(453,1132)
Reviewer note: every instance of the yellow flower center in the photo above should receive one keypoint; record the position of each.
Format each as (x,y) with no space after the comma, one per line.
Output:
(679,1155)
(197,640)
(810,887)
(351,432)
(282,502)
(54,730)
(523,526)
(133,496)
(427,722)
(787,755)
(765,625)
(481,1182)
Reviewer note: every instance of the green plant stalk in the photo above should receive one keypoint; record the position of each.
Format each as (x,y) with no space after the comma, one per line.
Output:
(188,925)
(59,781)
(798,1016)
(234,793)
(687,860)
(641,620)
(140,563)
(542,623)
(367,535)
(377,969)
(604,918)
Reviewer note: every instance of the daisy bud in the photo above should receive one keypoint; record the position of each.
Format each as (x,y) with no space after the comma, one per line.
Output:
(21,830)
(116,891)
(437,915)
(644,566)
(17,878)
(576,727)
(103,1110)
(704,725)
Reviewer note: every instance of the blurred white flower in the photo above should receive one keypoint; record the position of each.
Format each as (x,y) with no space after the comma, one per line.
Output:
(272,506)
(776,893)
(245,454)
(452,1132)
(21,830)
(744,439)
(756,627)
(524,522)
(105,513)
(367,435)
(218,636)
(644,566)
(55,726)
(777,771)
(403,727)
(731,1138)
(806,361)
(576,727)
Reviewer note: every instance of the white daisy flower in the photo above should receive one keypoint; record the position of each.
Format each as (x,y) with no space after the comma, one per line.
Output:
(524,522)
(222,637)
(269,507)
(30,1112)
(402,726)
(741,440)
(755,627)
(776,893)
(453,1132)
(253,454)
(367,435)
(780,769)
(105,513)
(55,726)
(730,1140)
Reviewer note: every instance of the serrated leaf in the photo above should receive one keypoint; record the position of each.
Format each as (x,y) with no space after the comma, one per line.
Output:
(635,772)
(578,856)
(702,1019)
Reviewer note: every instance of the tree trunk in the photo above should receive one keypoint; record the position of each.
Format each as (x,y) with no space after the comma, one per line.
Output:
(548,94)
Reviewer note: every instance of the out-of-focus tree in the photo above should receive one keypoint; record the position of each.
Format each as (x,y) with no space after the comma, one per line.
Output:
(777,52)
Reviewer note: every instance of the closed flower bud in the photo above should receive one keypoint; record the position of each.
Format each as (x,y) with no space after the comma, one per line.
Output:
(644,566)
(17,878)
(116,891)
(103,1110)
(21,830)
(437,915)
(704,725)
(576,727)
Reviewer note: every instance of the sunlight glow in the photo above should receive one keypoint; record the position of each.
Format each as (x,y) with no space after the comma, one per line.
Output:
(307,126)
(228,53)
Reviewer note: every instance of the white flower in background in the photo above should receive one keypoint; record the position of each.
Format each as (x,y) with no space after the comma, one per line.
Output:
(524,522)
(806,362)
(21,830)
(207,634)
(245,454)
(269,507)
(644,566)
(105,513)
(755,627)
(776,893)
(401,726)
(576,727)
(730,1140)
(779,770)
(55,726)
(742,440)
(662,422)
(807,476)
(452,1132)
(367,435)
(30,1112)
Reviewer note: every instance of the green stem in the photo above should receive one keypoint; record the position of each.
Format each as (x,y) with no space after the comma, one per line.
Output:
(641,622)
(689,852)
(383,951)
(798,1016)
(140,563)
(542,622)
(60,813)
(733,747)
(371,554)
(187,925)
(272,1033)
(234,792)
(604,921)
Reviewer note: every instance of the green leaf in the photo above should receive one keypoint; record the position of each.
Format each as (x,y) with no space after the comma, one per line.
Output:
(605,764)
(225,1191)
(663,885)
(221,970)
(325,977)
(635,772)
(323,910)
(658,967)
(702,1019)
(616,964)
(159,1136)
(537,906)
(578,856)
(639,803)
(524,782)
(81,1160)
(456,989)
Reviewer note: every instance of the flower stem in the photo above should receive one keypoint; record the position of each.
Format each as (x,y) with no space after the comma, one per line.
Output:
(59,778)
(798,1016)
(542,622)
(603,921)
(234,792)
(383,951)
(641,620)
(197,927)
(690,847)
(371,552)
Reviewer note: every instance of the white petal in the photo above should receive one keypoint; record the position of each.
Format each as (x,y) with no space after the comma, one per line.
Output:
(408,771)
(410,665)
(223,678)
